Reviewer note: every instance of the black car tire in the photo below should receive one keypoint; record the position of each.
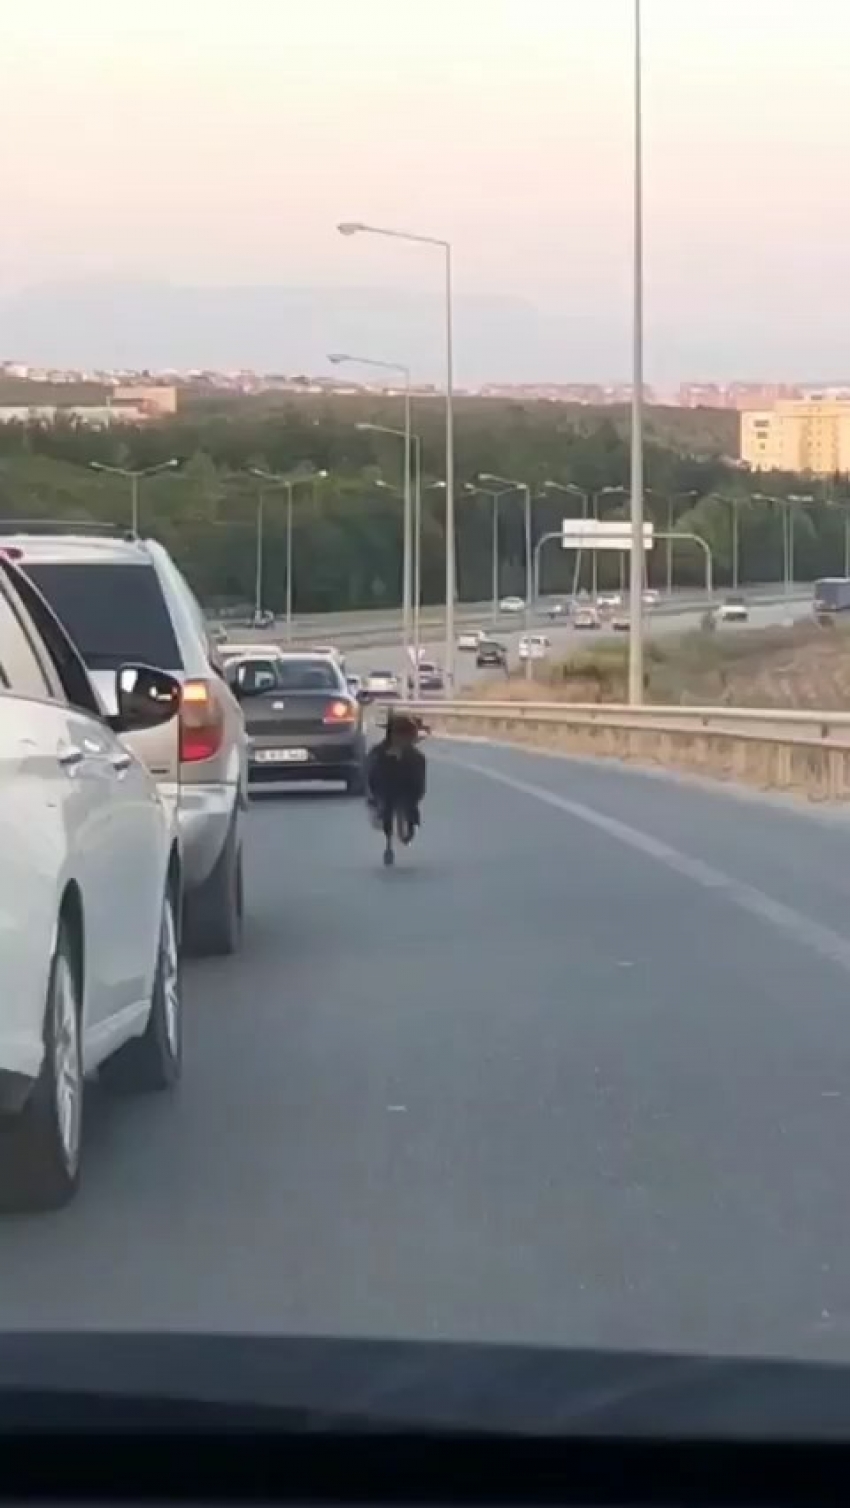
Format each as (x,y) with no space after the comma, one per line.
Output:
(153,1061)
(213,914)
(37,1171)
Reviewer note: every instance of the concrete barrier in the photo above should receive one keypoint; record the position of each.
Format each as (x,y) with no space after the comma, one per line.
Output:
(804,753)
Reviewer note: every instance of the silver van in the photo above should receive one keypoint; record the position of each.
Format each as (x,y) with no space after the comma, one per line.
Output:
(123,600)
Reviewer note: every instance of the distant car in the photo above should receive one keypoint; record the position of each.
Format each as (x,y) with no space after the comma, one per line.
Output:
(557,610)
(431,679)
(733,610)
(470,639)
(491,653)
(382,683)
(264,619)
(534,647)
(302,721)
(650,597)
(620,623)
(609,599)
(511,605)
(586,617)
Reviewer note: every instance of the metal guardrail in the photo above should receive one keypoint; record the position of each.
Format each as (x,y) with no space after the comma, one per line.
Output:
(804,752)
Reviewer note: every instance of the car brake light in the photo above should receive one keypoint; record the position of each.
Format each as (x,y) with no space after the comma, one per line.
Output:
(340,712)
(201,722)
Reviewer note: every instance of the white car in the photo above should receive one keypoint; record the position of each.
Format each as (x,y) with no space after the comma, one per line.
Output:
(586,617)
(650,597)
(470,639)
(382,683)
(511,605)
(609,599)
(534,647)
(734,610)
(90,897)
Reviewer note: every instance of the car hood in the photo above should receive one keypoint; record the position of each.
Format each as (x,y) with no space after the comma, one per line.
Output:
(85,1380)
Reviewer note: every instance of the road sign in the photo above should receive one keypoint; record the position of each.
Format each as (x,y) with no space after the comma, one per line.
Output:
(591,534)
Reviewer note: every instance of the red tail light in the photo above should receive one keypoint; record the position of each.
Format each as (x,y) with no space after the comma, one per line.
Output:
(340,712)
(201,722)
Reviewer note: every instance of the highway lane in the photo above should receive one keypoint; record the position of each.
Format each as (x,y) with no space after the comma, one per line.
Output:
(564,639)
(577,1071)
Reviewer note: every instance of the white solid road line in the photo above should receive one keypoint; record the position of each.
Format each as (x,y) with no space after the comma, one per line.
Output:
(801,929)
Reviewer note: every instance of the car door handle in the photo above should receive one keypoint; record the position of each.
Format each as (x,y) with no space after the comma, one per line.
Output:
(70,757)
(121,762)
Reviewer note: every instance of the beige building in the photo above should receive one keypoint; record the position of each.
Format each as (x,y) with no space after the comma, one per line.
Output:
(806,434)
(154,402)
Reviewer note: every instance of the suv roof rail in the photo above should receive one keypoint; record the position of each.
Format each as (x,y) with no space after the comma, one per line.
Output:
(65,526)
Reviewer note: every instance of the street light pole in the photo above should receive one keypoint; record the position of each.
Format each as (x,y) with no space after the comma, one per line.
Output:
(572,490)
(410,440)
(511,484)
(134,478)
(637,544)
(697,539)
(357,227)
(273,479)
(338,358)
(258,585)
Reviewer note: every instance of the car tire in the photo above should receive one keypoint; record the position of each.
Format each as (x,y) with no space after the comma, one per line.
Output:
(213,913)
(154,1061)
(41,1145)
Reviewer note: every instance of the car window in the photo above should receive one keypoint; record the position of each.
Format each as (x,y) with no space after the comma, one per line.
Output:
(254,675)
(308,675)
(116,614)
(19,667)
(64,657)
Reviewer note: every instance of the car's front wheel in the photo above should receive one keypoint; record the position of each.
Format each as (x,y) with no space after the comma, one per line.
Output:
(41,1146)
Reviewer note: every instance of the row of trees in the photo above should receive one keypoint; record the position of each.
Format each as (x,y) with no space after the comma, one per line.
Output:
(347,528)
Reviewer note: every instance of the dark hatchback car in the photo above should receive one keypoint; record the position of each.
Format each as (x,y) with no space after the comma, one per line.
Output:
(302,722)
(490,653)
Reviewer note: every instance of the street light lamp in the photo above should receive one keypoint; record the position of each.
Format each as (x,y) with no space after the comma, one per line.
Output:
(274,479)
(134,478)
(357,227)
(340,358)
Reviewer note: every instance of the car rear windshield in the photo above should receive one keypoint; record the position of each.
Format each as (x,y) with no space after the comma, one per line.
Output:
(116,614)
(307,675)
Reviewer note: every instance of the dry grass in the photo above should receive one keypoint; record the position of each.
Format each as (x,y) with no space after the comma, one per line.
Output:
(800,666)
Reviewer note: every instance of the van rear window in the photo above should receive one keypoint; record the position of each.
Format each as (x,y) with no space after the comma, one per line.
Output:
(116,614)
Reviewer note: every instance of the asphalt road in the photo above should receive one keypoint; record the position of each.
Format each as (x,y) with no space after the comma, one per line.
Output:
(577,1071)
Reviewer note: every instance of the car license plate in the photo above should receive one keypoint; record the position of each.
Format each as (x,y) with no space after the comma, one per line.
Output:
(281,756)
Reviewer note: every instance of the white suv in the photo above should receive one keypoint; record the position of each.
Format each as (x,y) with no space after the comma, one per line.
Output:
(122,599)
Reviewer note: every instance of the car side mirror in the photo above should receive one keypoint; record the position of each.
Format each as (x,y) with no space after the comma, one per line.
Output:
(145,697)
(364,698)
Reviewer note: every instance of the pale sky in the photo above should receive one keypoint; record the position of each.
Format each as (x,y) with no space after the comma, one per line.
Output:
(219,141)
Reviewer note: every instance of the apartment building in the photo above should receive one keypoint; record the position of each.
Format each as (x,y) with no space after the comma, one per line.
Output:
(811,434)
